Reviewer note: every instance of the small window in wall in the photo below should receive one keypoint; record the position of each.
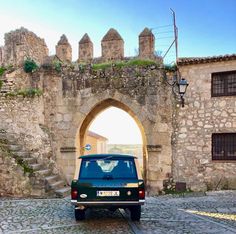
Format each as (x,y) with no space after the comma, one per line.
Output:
(224,146)
(223,84)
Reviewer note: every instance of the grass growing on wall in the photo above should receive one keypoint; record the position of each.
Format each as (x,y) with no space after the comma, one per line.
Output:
(31,92)
(2,70)
(130,63)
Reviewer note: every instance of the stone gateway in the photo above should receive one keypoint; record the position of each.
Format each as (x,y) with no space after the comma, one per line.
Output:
(48,111)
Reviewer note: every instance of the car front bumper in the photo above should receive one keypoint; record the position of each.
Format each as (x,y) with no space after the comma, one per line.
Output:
(107,203)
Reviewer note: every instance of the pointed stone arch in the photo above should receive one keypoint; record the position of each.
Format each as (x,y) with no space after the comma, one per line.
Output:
(98,108)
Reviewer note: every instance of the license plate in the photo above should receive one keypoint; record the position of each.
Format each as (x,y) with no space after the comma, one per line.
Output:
(108,193)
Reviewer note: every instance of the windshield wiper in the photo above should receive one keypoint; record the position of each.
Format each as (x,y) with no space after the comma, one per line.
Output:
(108,157)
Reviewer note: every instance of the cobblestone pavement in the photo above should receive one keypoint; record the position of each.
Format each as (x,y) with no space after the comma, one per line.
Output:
(215,213)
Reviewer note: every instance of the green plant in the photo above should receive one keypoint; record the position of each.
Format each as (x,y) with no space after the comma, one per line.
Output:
(57,65)
(101,66)
(31,92)
(30,65)
(2,70)
(141,63)
(1,83)
(170,68)
(120,64)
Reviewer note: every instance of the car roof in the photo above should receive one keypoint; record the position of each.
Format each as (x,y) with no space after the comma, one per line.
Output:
(107,155)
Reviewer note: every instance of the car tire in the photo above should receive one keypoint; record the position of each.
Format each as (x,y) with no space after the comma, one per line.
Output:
(135,213)
(79,214)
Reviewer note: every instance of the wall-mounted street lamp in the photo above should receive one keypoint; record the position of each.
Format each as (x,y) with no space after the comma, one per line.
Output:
(178,81)
(179,86)
(182,87)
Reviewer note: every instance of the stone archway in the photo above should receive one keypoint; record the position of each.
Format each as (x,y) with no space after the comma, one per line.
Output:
(101,106)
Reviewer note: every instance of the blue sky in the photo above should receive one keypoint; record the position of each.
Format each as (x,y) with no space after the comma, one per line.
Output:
(206,27)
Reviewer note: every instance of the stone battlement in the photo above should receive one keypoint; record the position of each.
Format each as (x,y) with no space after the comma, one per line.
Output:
(22,43)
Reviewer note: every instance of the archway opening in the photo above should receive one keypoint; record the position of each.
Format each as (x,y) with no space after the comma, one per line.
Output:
(106,128)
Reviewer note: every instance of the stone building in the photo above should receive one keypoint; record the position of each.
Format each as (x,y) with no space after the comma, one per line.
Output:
(98,143)
(204,140)
(194,144)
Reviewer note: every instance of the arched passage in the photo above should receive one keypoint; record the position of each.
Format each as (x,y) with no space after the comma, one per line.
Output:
(101,107)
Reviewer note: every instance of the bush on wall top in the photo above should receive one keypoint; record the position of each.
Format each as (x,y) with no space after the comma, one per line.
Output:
(30,65)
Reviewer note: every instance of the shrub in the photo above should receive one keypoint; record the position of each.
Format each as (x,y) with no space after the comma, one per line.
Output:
(57,65)
(30,65)
(170,68)
(2,70)
(1,83)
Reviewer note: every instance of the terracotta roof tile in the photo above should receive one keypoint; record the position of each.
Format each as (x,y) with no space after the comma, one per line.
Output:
(198,60)
(97,136)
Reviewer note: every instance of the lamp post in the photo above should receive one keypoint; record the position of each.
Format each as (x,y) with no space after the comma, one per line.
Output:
(182,87)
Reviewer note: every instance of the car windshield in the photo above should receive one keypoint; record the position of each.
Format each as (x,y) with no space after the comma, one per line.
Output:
(108,168)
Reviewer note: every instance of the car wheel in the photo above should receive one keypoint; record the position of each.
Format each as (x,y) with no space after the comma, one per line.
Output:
(79,214)
(135,213)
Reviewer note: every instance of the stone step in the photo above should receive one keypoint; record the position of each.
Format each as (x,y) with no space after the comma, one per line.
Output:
(15,147)
(51,179)
(57,185)
(36,166)
(23,154)
(30,160)
(44,172)
(63,192)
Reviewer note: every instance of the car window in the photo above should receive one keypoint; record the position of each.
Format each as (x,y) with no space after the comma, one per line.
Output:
(108,168)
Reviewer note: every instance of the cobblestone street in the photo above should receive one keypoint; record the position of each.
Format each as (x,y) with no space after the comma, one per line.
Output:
(214,213)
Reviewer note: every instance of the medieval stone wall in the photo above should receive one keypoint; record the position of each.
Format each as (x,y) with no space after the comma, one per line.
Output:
(13,181)
(194,125)
(23,118)
(141,91)
(21,44)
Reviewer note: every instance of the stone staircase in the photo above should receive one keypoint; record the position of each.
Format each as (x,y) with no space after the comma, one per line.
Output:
(53,184)
(8,86)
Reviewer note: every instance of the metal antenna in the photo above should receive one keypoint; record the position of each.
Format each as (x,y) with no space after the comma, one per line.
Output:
(176,35)
(175,41)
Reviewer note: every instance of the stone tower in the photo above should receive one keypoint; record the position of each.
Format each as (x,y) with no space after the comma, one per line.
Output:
(63,49)
(146,44)
(21,44)
(85,49)
(112,46)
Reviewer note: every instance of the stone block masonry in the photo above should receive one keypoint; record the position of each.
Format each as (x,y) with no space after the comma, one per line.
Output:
(202,116)
(146,44)
(176,141)
(21,44)
(112,46)
(85,49)
(63,49)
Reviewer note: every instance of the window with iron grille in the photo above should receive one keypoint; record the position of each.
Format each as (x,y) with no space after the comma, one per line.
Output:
(224,146)
(223,84)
